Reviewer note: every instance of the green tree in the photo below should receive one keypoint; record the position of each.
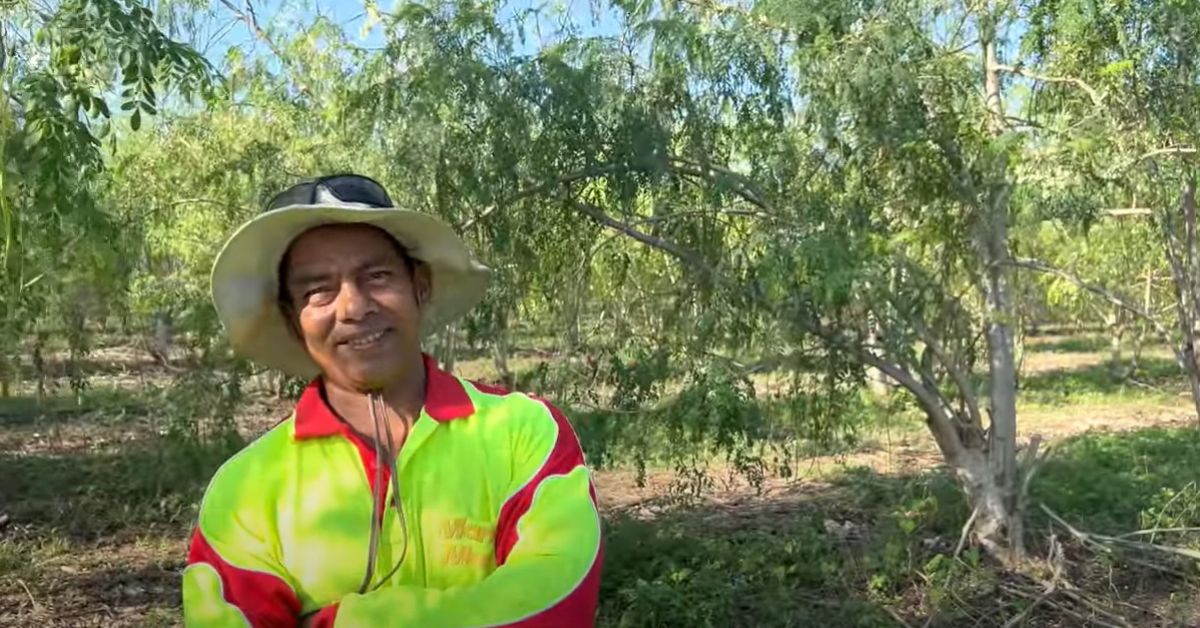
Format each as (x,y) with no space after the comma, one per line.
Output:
(830,185)
(1120,78)
(63,69)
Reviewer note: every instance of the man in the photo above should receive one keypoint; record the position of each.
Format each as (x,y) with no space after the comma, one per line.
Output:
(397,494)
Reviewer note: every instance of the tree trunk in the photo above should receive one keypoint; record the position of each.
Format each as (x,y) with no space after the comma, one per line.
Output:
(1139,339)
(500,351)
(164,338)
(1116,331)
(998,505)
(1181,257)
(877,381)
(449,350)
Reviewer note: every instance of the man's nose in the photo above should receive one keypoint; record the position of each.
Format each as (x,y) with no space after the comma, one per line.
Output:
(353,302)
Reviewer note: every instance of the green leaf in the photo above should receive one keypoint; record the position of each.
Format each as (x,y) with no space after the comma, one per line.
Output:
(135,121)
(1117,67)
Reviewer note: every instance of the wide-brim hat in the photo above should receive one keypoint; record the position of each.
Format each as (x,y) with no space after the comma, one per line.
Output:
(245,275)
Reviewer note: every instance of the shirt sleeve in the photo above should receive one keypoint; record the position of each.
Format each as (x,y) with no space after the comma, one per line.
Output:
(232,577)
(548,554)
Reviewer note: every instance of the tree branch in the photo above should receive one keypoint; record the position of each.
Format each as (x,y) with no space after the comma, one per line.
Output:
(687,257)
(930,400)
(543,188)
(251,19)
(1042,267)
(1174,151)
(1019,71)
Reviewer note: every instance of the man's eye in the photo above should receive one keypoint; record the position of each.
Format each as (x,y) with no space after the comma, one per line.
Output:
(315,292)
(378,275)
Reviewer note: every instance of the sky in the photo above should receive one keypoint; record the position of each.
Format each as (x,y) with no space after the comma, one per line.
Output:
(226,31)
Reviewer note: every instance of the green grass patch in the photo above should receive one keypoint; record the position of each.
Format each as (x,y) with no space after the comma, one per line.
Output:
(1158,378)
(101,405)
(1079,343)
(1115,483)
(700,568)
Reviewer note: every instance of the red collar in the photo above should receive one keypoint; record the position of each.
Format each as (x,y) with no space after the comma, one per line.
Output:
(445,400)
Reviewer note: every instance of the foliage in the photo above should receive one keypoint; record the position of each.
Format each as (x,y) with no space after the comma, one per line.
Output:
(63,256)
(1117,483)
(706,194)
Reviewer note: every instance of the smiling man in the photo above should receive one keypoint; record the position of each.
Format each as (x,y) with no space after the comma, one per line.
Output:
(396,494)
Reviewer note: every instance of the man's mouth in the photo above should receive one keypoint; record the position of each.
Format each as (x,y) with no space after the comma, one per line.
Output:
(364,340)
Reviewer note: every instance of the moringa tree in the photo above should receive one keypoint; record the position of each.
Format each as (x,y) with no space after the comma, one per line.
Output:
(1120,99)
(832,181)
(63,68)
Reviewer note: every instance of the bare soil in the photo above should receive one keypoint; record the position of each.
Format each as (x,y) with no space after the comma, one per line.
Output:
(48,579)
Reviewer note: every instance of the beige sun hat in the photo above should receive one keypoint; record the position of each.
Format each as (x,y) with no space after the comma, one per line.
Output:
(245,282)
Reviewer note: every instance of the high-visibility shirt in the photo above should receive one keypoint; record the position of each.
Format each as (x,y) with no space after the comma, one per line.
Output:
(501,516)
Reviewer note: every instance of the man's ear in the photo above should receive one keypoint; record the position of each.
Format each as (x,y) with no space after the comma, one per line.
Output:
(422,283)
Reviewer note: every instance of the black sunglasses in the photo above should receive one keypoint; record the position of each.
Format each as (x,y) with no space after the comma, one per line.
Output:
(348,188)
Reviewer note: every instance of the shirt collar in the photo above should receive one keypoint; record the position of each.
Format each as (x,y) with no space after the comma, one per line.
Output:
(445,400)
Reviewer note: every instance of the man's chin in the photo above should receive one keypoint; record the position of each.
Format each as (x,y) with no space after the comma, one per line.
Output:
(371,380)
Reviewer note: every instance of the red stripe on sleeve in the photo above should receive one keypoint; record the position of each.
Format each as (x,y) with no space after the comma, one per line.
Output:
(578,608)
(565,456)
(266,600)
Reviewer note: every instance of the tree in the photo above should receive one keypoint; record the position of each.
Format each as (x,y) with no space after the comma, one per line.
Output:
(808,167)
(61,68)
(1122,77)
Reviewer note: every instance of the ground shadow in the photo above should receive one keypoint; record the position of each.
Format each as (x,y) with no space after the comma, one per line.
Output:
(109,404)
(88,495)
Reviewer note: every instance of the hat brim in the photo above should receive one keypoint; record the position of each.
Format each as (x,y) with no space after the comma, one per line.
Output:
(245,280)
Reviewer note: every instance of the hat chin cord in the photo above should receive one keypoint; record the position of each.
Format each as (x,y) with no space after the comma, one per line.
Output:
(378,412)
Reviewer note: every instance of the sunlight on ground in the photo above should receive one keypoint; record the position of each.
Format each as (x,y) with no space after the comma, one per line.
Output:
(89,538)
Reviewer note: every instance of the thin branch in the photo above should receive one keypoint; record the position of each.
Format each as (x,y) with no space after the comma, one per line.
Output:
(1019,71)
(1128,211)
(704,212)
(966,532)
(1042,267)
(687,257)
(1175,151)
(579,175)
(957,374)
(1103,538)
(755,195)
(1154,531)
(251,19)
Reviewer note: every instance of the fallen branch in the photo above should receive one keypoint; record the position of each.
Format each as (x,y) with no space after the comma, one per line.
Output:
(966,532)
(1095,538)
(1153,531)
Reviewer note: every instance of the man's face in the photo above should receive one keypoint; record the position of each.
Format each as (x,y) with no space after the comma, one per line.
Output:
(353,301)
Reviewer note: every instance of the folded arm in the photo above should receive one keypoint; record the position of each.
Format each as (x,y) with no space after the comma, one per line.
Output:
(548,552)
(218,594)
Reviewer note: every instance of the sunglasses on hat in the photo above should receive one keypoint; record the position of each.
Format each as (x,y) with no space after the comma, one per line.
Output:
(345,188)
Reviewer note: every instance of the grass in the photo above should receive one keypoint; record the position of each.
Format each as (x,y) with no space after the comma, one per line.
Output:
(1113,483)
(97,530)
(1156,379)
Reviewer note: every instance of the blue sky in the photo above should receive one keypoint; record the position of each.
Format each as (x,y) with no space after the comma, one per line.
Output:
(288,15)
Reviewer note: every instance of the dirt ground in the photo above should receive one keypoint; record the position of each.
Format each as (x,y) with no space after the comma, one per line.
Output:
(129,579)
